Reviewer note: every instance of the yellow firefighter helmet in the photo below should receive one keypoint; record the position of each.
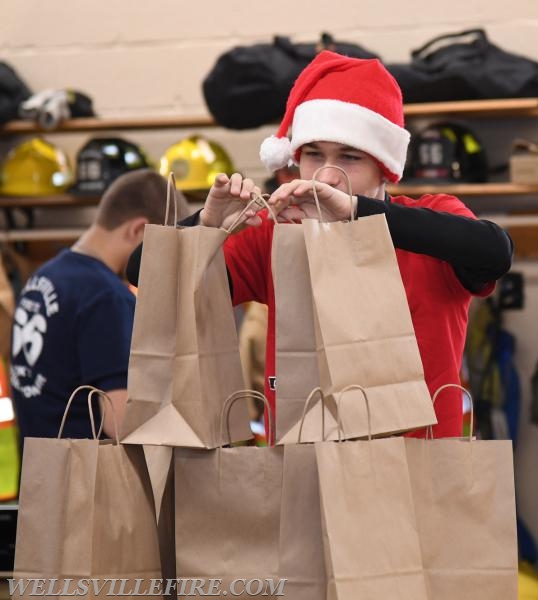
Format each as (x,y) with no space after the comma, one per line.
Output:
(35,168)
(195,162)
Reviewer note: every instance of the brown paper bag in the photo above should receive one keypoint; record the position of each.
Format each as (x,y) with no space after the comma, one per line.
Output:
(463,492)
(298,357)
(370,532)
(184,359)
(370,538)
(85,512)
(250,513)
(365,328)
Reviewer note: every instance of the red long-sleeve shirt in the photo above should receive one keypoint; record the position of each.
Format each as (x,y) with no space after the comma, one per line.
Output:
(437,299)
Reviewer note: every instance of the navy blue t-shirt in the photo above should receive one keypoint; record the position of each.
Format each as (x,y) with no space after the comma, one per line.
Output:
(72,326)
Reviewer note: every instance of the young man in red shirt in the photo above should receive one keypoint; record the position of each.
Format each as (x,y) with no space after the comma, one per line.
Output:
(349,112)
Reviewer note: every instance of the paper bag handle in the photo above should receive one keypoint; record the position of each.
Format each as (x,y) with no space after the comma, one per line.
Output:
(228,403)
(356,386)
(93,391)
(259,200)
(171,191)
(319,391)
(104,407)
(429,430)
(225,414)
(314,190)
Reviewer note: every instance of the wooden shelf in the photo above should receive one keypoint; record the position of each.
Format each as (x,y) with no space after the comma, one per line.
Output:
(98,124)
(512,107)
(515,107)
(464,189)
(64,200)
(41,235)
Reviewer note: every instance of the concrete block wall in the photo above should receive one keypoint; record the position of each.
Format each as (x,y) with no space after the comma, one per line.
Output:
(148,58)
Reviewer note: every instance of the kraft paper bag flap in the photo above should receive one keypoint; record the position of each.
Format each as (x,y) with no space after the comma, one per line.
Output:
(313,430)
(365,330)
(352,411)
(166,427)
(158,462)
(184,352)
(370,535)
(166,527)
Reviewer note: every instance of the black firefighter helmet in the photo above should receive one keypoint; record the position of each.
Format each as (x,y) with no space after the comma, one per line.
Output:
(102,160)
(447,152)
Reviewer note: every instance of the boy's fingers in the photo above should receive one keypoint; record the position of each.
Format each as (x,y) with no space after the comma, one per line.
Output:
(235,184)
(280,205)
(221,180)
(289,190)
(246,189)
(305,189)
(279,193)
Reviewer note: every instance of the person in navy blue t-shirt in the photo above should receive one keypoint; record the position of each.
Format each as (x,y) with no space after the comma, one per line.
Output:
(74,317)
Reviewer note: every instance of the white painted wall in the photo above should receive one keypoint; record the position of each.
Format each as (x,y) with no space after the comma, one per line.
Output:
(148,58)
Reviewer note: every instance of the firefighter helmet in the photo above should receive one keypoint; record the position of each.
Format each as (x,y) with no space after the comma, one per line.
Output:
(35,168)
(195,162)
(102,160)
(447,152)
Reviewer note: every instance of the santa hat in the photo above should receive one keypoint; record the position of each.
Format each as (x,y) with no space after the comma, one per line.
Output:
(351,101)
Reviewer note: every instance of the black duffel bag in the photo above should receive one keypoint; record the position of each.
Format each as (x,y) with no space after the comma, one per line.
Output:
(465,66)
(248,86)
(13,90)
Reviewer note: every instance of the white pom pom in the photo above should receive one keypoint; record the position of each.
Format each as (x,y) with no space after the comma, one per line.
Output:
(275,152)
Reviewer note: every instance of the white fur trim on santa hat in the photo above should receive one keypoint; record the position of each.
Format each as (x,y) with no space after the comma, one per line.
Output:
(353,125)
(275,153)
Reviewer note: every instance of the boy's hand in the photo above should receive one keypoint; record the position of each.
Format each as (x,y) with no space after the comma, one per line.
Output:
(227,198)
(295,201)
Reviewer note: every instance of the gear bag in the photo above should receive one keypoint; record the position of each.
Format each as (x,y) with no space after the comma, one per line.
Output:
(13,91)
(248,86)
(465,66)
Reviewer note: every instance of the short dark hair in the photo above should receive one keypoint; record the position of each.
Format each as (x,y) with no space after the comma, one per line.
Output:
(140,193)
